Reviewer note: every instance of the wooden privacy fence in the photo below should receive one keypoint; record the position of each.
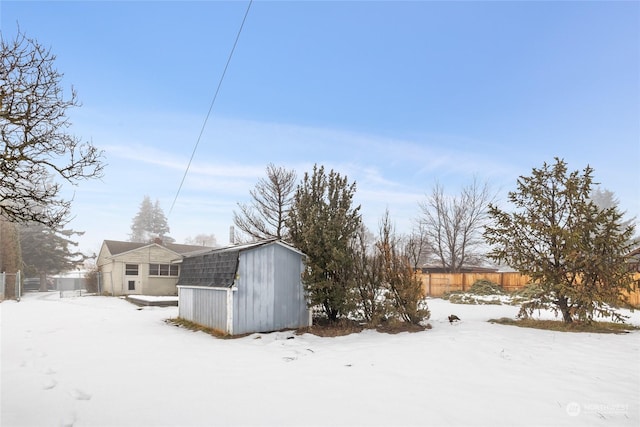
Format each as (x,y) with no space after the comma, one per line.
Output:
(633,297)
(437,284)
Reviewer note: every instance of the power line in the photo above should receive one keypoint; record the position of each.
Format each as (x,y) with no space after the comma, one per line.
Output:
(213,101)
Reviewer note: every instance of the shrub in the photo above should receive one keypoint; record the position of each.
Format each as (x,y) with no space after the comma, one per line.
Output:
(486,287)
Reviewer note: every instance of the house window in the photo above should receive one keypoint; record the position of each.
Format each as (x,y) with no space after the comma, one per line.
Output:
(163,270)
(131,269)
(132,285)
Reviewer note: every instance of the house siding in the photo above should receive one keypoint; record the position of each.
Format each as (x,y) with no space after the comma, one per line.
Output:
(115,280)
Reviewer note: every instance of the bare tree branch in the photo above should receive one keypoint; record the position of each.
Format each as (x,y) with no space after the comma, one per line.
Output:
(271,199)
(36,146)
(453,225)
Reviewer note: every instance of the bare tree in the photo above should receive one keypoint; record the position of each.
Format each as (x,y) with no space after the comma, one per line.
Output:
(369,288)
(265,216)
(453,225)
(36,146)
(404,288)
(416,246)
(202,239)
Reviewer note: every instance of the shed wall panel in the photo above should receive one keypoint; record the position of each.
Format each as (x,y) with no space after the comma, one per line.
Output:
(254,310)
(290,299)
(206,307)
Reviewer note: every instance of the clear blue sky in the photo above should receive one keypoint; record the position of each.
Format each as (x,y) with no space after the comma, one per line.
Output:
(395,95)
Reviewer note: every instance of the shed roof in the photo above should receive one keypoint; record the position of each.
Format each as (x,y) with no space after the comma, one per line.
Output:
(218,267)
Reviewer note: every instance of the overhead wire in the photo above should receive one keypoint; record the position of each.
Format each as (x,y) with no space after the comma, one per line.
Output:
(213,101)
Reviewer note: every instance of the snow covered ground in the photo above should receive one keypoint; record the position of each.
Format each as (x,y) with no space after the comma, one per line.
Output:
(99,361)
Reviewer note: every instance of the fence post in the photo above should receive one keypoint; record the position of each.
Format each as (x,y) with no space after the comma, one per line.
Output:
(17,285)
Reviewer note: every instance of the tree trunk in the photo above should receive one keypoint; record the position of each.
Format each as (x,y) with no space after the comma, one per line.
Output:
(43,282)
(565,310)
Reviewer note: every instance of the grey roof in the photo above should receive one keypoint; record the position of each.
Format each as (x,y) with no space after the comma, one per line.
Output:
(218,267)
(213,268)
(117,247)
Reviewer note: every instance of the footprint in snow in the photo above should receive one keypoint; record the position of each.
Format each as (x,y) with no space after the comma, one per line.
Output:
(295,354)
(505,355)
(49,383)
(68,420)
(80,395)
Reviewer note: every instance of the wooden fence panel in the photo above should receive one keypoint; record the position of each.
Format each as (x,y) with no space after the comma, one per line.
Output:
(438,284)
(633,297)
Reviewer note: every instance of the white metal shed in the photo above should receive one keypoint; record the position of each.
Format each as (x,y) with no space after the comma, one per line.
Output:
(242,289)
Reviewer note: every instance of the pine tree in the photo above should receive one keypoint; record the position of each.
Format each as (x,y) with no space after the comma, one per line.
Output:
(559,237)
(322,223)
(149,223)
(48,251)
(160,226)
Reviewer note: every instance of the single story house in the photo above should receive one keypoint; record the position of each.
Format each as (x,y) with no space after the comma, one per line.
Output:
(241,289)
(131,268)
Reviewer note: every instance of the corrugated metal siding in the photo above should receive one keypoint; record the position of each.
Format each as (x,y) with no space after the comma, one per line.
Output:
(290,300)
(270,293)
(207,307)
(254,302)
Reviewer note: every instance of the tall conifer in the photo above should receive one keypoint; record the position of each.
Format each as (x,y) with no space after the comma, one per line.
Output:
(322,223)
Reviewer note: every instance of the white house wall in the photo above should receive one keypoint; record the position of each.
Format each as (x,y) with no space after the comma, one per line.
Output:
(116,282)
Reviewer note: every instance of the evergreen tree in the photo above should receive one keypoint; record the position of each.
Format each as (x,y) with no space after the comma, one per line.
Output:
(559,237)
(160,226)
(48,251)
(322,223)
(605,199)
(149,223)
